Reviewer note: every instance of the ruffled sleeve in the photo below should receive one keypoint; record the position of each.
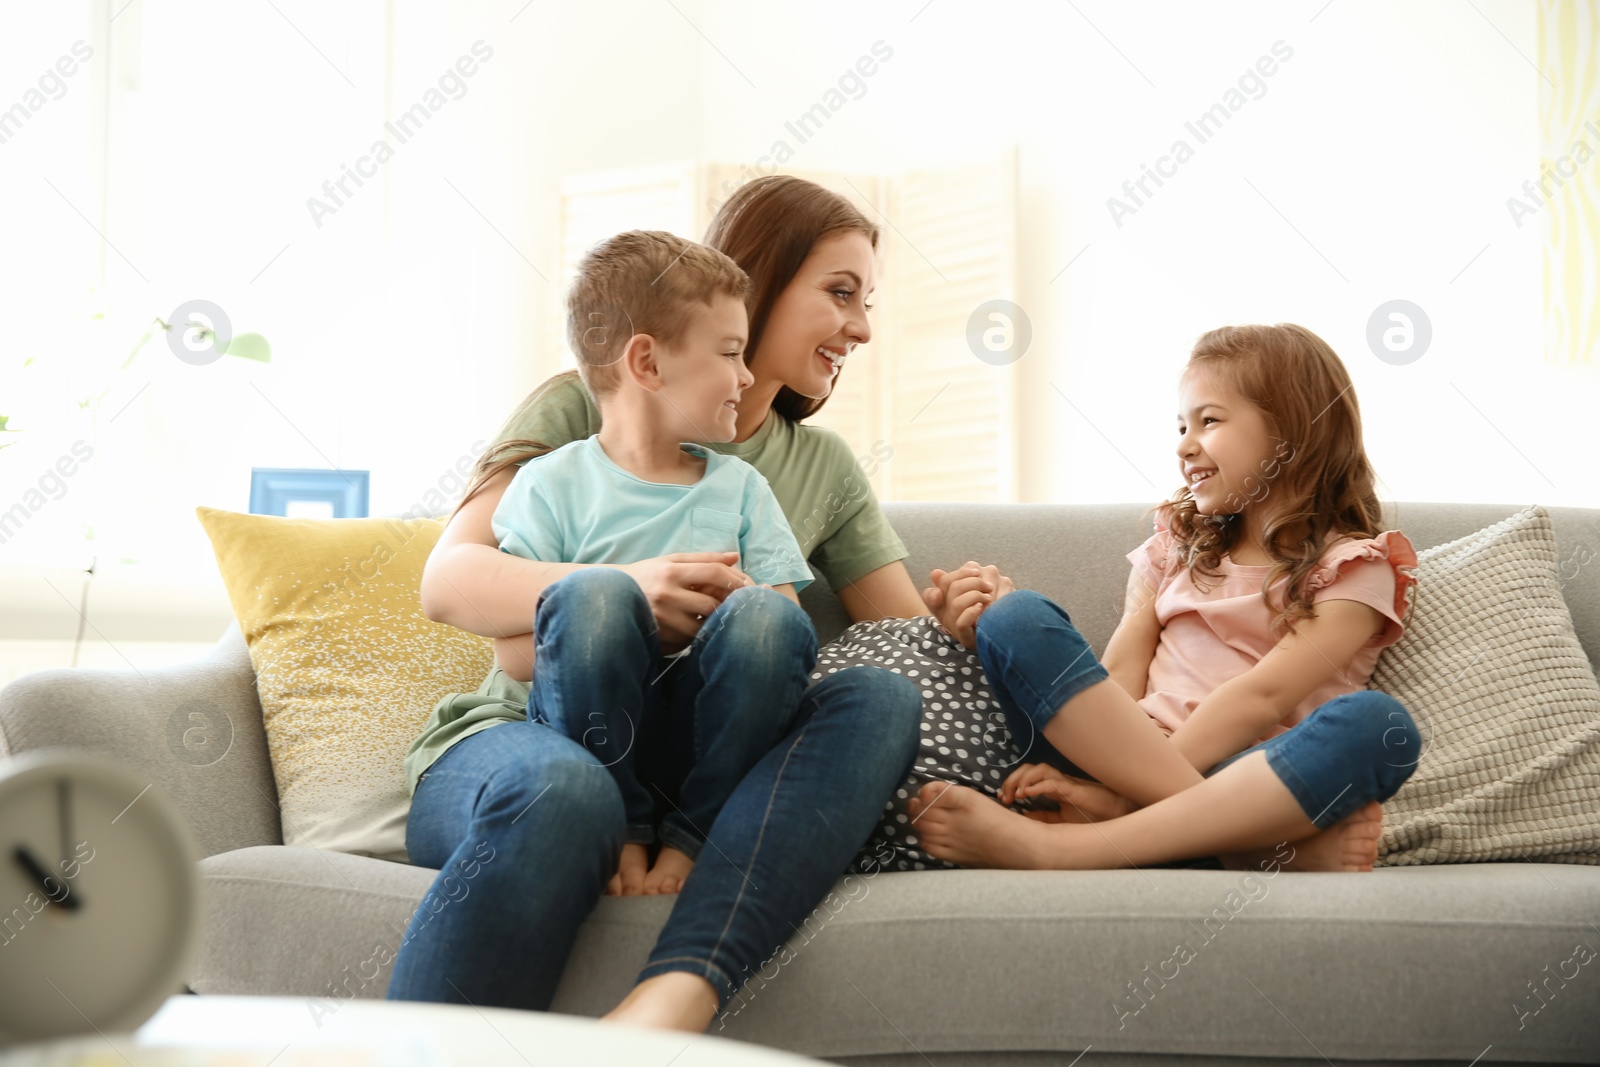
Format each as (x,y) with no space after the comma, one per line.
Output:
(1150,559)
(1380,572)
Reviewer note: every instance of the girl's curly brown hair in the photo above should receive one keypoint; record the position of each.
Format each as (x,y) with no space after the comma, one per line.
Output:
(1318,480)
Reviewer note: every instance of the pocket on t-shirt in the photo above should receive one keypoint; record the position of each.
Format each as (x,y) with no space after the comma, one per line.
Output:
(711,530)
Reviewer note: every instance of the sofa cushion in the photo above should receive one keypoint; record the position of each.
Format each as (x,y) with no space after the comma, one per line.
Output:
(971,964)
(347,666)
(1509,710)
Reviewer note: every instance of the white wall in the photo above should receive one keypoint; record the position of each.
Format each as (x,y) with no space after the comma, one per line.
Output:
(411,321)
(1389,140)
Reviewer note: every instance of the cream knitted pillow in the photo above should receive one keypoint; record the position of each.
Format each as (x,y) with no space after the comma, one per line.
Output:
(1508,707)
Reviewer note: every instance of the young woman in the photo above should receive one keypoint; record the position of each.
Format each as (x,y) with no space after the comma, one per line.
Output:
(490,783)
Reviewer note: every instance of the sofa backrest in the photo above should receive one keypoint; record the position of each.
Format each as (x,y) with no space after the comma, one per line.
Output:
(1076,553)
(1073,553)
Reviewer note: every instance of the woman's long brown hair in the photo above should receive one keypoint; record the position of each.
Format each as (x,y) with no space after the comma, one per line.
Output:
(768,226)
(1318,479)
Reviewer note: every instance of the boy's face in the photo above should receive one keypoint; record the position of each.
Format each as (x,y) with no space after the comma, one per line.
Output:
(703,373)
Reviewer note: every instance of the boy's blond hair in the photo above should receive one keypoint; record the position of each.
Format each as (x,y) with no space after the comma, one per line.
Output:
(642,281)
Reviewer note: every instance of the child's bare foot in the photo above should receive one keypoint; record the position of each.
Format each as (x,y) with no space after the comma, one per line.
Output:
(630,876)
(1351,844)
(676,1000)
(962,825)
(670,872)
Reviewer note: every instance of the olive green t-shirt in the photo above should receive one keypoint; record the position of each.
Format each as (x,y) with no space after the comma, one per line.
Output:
(831,509)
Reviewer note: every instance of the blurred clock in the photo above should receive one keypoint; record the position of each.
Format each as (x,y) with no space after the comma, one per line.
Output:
(99,896)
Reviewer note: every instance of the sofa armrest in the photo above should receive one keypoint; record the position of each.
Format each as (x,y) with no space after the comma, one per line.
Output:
(194,730)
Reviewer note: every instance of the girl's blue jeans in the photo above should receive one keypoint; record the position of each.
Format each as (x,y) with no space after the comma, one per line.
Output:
(1354,749)
(526,827)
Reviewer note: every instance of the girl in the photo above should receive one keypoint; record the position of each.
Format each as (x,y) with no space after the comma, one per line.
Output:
(535,795)
(1211,670)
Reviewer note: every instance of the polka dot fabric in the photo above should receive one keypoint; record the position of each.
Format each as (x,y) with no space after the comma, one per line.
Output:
(964,734)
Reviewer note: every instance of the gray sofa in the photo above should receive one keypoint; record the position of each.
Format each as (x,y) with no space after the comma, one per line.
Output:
(1433,964)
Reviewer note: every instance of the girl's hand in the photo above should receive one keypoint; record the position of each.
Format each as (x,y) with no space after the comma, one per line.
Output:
(958,597)
(1080,799)
(684,588)
(1026,774)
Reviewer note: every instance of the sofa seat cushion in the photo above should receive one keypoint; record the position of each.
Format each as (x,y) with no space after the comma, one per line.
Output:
(1406,963)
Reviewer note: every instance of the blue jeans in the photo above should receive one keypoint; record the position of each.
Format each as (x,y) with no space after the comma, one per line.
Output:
(1356,748)
(678,732)
(526,828)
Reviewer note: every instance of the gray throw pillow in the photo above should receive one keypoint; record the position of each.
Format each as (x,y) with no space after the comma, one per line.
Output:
(1492,671)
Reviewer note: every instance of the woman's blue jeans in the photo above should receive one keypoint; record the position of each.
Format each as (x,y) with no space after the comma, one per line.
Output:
(1356,748)
(677,734)
(526,827)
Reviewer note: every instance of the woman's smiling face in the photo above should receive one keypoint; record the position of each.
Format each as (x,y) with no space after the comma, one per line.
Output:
(823,308)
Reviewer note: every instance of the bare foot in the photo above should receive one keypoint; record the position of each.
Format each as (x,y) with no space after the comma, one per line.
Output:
(1351,844)
(962,825)
(630,876)
(668,875)
(676,1000)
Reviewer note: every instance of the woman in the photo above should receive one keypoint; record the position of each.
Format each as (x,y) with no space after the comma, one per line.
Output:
(527,795)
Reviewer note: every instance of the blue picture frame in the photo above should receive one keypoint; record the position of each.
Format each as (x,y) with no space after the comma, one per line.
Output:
(274,489)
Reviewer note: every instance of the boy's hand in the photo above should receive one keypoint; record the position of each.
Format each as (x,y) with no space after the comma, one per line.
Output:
(958,597)
(684,588)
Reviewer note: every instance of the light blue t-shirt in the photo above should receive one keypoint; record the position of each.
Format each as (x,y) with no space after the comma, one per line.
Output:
(574,505)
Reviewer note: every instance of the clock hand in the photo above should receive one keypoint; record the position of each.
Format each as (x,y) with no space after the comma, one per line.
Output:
(62,788)
(27,862)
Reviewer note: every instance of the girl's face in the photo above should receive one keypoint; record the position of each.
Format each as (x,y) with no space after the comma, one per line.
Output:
(820,316)
(1221,432)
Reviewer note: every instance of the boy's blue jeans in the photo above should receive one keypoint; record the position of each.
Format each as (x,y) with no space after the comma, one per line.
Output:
(675,733)
(526,827)
(1354,749)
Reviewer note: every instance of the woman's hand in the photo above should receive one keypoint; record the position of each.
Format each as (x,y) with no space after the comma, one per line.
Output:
(684,588)
(514,656)
(1080,799)
(958,597)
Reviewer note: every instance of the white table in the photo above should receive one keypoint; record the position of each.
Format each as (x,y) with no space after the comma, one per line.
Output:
(213,1031)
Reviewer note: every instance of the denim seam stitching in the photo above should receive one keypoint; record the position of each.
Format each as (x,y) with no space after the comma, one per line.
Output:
(760,837)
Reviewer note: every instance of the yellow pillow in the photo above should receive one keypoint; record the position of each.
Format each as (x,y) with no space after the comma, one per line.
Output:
(347,666)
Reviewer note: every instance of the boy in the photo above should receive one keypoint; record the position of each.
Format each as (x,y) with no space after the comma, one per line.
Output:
(659,326)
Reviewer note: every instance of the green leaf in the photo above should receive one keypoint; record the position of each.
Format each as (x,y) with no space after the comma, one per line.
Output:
(250,346)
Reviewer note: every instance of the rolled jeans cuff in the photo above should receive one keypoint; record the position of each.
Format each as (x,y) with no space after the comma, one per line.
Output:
(703,968)
(1036,657)
(639,834)
(1070,687)
(684,842)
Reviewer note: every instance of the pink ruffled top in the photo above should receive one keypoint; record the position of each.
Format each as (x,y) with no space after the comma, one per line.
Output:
(1217,630)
